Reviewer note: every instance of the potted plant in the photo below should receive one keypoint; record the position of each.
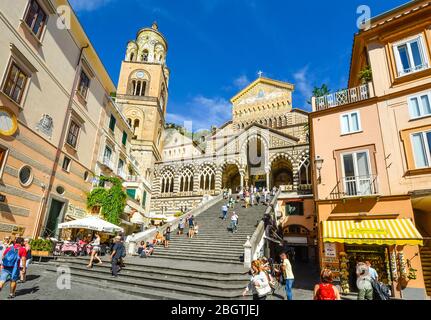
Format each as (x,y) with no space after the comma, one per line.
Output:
(366,75)
(41,247)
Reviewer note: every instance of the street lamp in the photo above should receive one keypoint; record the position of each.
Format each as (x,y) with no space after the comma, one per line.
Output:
(318,162)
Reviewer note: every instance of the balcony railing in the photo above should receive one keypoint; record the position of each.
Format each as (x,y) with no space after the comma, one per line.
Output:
(107,162)
(358,186)
(343,97)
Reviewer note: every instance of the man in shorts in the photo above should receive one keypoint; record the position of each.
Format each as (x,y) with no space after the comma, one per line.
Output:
(12,272)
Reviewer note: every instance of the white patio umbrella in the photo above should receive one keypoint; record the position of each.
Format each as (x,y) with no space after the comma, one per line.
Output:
(91,223)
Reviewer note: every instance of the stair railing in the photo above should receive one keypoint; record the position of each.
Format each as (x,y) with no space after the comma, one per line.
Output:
(254,245)
(149,235)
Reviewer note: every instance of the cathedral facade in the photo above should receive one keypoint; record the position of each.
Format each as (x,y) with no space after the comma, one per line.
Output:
(265,144)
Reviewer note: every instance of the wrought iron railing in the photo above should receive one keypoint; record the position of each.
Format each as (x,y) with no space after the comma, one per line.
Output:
(343,97)
(355,186)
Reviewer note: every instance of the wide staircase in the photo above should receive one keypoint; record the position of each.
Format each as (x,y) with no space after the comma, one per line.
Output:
(209,266)
(425,253)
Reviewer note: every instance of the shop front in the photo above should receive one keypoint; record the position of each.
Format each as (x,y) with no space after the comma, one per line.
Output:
(390,245)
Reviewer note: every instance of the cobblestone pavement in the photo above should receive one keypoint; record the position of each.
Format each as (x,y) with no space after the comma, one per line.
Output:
(42,285)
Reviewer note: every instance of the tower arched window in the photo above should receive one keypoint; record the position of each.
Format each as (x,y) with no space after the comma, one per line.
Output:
(138,88)
(132,56)
(136,127)
(145,55)
(129,121)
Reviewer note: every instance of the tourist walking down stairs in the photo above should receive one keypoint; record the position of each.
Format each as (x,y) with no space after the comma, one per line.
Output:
(13,263)
(259,284)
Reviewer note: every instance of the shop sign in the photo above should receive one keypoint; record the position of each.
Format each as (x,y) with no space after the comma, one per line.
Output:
(330,250)
(330,260)
(373,231)
(76,212)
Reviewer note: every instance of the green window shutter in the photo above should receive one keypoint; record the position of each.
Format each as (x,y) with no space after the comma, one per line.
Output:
(124,138)
(131,193)
(112,123)
(144,199)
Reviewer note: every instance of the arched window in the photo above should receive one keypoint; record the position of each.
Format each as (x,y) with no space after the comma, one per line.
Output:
(163,98)
(207,179)
(186,180)
(132,56)
(144,56)
(167,182)
(136,127)
(138,88)
(305,172)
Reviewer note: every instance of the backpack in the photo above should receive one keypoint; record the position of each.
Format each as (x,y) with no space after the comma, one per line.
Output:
(11,258)
(123,251)
(326,292)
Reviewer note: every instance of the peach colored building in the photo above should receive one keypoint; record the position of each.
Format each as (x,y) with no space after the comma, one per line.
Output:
(54,100)
(372,182)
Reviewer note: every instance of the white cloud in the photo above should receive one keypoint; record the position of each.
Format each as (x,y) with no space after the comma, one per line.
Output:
(88,5)
(303,82)
(203,112)
(241,82)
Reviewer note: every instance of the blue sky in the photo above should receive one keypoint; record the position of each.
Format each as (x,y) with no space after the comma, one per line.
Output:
(216,47)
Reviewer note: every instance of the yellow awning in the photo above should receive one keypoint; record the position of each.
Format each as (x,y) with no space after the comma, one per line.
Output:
(381,232)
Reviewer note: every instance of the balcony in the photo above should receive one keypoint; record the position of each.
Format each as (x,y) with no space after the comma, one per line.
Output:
(107,163)
(343,97)
(356,187)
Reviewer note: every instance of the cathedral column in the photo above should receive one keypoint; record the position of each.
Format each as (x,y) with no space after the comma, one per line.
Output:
(218,181)
(295,169)
(196,180)
(242,179)
(177,184)
(267,179)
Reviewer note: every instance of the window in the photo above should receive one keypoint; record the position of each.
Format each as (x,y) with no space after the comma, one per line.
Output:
(72,136)
(107,156)
(124,140)
(131,193)
(295,208)
(419,106)
(144,200)
(25,176)
(36,18)
(84,84)
(60,190)
(3,158)
(138,88)
(112,123)
(66,164)
(350,123)
(357,176)
(15,83)
(120,168)
(410,56)
(421,142)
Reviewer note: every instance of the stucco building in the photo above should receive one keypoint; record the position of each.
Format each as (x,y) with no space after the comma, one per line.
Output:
(372,181)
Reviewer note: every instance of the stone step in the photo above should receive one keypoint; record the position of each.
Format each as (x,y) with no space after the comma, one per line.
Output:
(199,251)
(198,258)
(159,288)
(215,248)
(178,279)
(165,271)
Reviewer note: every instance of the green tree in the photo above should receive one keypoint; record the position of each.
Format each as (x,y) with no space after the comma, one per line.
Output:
(112,201)
(320,92)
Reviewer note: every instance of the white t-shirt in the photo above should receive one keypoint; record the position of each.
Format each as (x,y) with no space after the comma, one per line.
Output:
(234,218)
(263,288)
(224,208)
(288,273)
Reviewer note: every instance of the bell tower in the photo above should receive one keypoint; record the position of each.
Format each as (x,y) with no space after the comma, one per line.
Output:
(142,94)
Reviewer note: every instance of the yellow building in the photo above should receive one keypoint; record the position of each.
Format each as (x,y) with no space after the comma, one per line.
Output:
(371,182)
(53,95)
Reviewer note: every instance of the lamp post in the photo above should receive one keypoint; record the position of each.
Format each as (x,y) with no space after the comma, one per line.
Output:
(318,162)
